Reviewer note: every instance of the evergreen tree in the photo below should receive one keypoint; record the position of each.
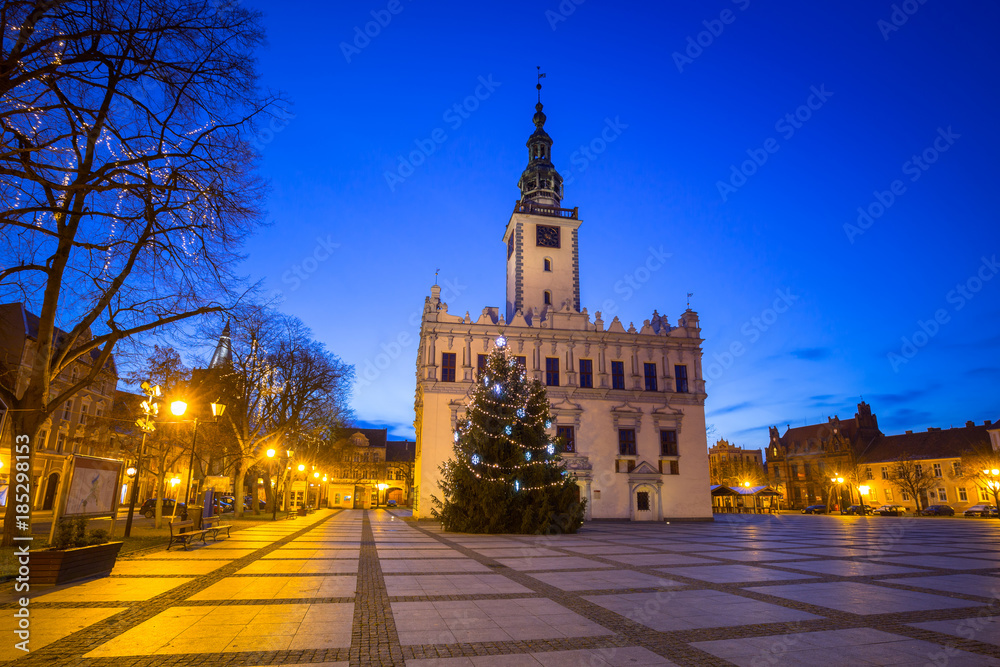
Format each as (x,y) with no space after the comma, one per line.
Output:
(506,475)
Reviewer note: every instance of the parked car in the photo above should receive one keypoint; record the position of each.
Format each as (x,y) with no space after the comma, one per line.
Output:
(891,510)
(938,510)
(223,504)
(982,509)
(148,508)
(815,509)
(391,503)
(856,510)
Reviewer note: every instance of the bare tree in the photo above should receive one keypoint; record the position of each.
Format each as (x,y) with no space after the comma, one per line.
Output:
(910,477)
(978,466)
(127,179)
(286,391)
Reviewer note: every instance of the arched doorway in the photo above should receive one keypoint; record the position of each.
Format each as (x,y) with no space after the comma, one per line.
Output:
(394,494)
(51,486)
(643,498)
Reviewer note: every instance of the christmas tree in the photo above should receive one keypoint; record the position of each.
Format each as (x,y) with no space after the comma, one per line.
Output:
(506,475)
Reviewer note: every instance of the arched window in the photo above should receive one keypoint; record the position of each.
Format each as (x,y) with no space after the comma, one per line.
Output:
(548,264)
(548,297)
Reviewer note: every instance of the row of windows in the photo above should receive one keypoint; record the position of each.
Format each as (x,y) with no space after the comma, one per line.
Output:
(448,374)
(626,442)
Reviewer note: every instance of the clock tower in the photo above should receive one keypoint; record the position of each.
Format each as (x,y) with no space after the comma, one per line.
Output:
(541,239)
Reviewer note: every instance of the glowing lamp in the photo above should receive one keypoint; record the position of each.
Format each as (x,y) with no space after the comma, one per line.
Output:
(178,408)
(270,453)
(130,471)
(302,467)
(864,488)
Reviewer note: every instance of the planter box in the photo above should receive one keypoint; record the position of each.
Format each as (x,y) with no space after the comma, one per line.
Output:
(59,566)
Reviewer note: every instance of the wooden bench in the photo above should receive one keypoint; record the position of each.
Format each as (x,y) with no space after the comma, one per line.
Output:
(214,526)
(184,533)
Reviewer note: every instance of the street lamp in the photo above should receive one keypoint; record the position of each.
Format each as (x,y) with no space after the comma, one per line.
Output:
(178,408)
(863,491)
(994,486)
(837,479)
(382,486)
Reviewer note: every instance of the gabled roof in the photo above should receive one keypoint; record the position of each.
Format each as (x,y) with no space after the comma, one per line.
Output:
(376,436)
(401,451)
(933,444)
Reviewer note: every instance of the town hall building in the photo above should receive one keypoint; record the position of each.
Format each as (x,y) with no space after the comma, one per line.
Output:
(628,402)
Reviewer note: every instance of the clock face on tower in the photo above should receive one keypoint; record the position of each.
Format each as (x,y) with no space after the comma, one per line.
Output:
(547,236)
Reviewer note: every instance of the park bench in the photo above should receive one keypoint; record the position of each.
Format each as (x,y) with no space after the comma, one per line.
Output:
(184,532)
(213,525)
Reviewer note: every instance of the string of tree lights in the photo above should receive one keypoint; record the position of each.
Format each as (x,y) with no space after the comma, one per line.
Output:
(506,475)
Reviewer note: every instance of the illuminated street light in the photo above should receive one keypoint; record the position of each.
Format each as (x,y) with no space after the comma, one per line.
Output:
(178,408)
(301,467)
(130,471)
(270,453)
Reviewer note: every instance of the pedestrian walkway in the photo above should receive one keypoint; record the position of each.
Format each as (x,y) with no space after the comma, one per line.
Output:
(360,587)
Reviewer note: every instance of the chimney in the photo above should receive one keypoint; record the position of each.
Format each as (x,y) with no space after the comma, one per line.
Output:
(932,429)
(909,433)
(987,423)
(969,424)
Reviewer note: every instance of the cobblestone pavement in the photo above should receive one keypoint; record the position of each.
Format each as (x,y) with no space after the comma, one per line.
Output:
(375,588)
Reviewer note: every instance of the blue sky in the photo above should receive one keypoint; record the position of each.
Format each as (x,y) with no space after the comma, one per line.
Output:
(739,137)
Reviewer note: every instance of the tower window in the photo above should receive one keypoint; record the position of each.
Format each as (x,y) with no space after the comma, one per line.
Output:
(586,373)
(447,366)
(617,374)
(547,296)
(548,264)
(552,371)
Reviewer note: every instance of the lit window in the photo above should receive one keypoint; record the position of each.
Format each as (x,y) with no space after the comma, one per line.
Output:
(962,495)
(942,495)
(888,495)
(869,474)
(885,473)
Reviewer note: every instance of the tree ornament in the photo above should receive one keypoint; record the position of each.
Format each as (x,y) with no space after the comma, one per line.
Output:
(551,449)
(501,341)
(520,413)
(475,459)
(527,456)
(507,429)
(548,424)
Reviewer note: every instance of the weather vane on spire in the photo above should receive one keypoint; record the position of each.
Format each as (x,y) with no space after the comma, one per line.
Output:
(436,272)
(690,294)
(541,75)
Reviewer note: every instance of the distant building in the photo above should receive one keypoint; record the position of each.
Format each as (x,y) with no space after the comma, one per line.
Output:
(79,426)
(366,461)
(629,402)
(804,460)
(723,452)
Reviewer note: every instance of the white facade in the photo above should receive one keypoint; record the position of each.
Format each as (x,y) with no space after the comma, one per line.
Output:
(638,425)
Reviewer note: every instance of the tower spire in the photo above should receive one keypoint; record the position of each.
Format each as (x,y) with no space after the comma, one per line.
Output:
(540,183)
(223,355)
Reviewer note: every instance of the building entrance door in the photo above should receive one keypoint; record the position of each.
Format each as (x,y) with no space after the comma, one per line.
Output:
(642,504)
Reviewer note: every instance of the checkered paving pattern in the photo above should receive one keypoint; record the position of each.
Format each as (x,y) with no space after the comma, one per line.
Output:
(375,588)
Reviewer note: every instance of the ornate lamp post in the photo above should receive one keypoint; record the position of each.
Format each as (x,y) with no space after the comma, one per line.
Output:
(150,409)
(994,486)
(862,492)
(178,408)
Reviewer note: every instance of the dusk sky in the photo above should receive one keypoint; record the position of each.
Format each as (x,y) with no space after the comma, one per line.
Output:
(738,137)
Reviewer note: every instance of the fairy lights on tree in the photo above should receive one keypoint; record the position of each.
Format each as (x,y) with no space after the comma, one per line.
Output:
(506,475)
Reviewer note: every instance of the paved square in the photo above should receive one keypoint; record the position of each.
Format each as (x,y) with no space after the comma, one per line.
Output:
(687,610)
(858,598)
(370,587)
